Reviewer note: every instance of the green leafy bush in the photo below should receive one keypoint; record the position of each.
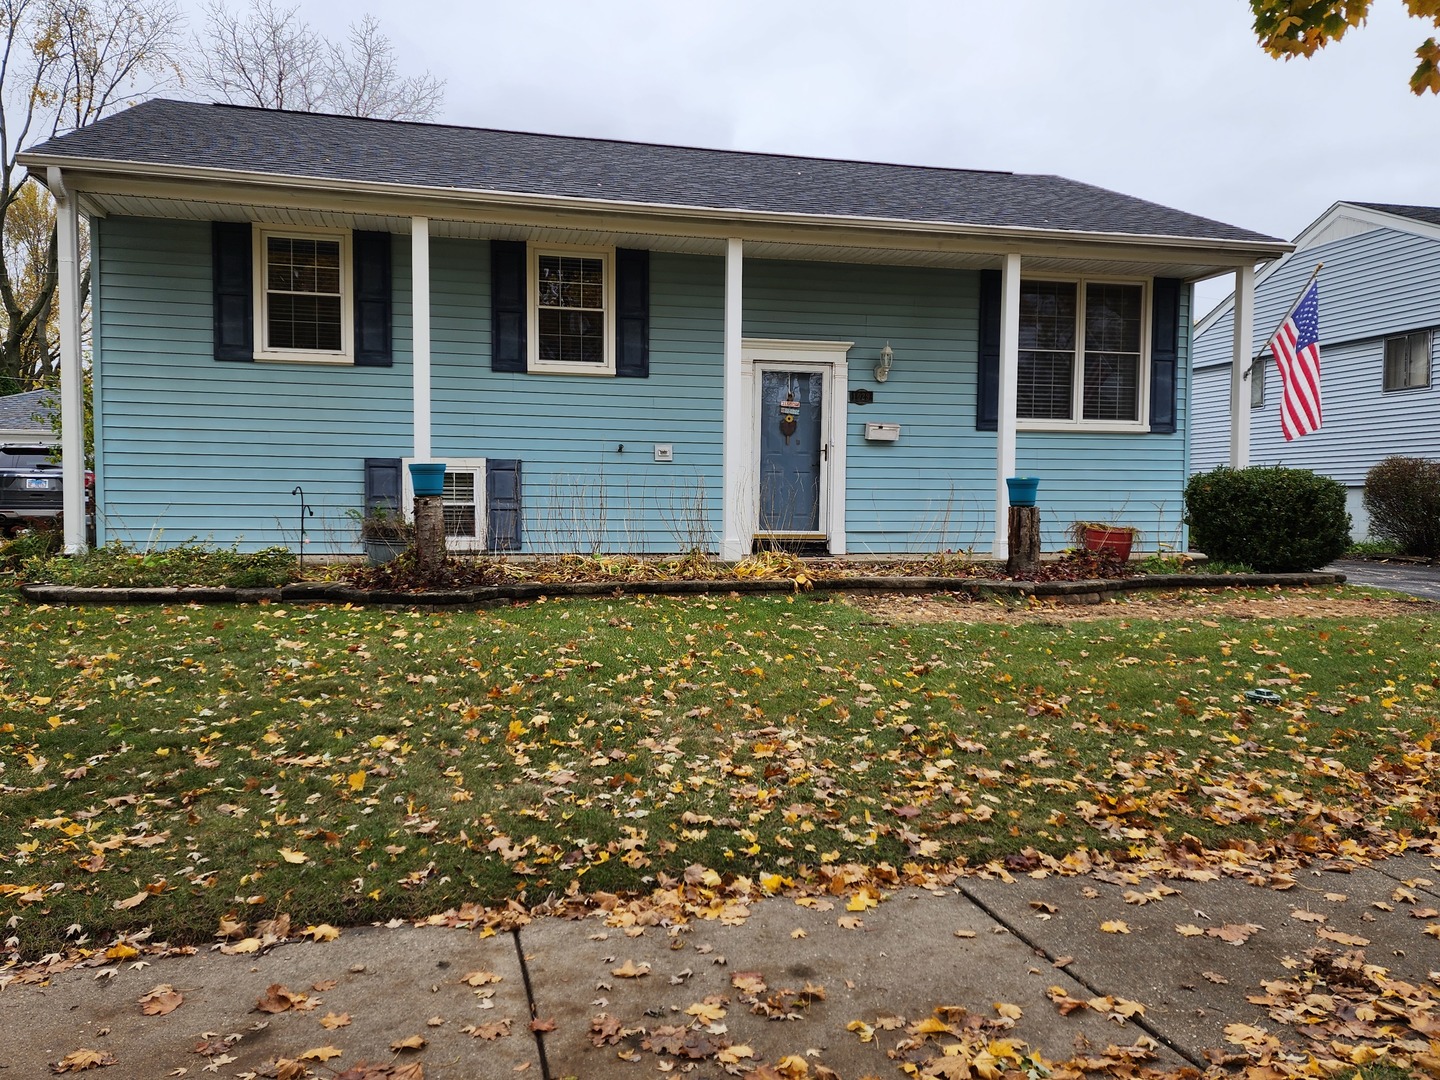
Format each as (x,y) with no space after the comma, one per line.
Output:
(118,566)
(1402,495)
(1276,520)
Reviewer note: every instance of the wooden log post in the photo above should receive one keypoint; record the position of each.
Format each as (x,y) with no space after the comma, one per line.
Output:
(1024,541)
(429,535)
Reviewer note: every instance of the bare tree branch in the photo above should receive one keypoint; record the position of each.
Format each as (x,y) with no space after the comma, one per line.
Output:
(63,64)
(269,57)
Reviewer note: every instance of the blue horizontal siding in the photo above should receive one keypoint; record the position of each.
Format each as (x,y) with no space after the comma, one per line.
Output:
(931,490)
(196,448)
(1374,285)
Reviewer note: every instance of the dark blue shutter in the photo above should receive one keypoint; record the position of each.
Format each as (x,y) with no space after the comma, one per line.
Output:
(234,301)
(508,273)
(987,388)
(502,504)
(382,484)
(371,255)
(632,315)
(1164,353)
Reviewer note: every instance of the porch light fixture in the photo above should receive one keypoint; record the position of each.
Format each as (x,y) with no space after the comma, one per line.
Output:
(882,369)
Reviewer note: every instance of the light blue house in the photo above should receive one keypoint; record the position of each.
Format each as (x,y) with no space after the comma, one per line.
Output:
(615,346)
(1379,308)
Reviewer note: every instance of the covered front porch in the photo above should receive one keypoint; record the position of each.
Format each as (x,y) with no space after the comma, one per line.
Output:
(738,310)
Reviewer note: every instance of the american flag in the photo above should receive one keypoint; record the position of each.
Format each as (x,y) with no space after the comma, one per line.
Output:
(1296,347)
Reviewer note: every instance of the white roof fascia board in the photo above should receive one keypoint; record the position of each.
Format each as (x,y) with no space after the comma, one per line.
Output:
(79,170)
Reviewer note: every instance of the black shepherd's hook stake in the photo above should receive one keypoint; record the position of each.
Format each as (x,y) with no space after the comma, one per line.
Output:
(305,508)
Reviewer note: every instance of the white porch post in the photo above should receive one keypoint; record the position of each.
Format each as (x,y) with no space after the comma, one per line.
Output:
(72,381)
(734,545)
(420,335)
(1005,421)
(1240,365)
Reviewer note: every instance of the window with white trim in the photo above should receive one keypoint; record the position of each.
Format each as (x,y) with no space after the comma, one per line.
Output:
(462,499)
(1083,360)
(1407,361)
(303,295)
(572,310)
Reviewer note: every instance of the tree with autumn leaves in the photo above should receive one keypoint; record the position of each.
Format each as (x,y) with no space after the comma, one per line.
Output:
(1288,28)
(67,63)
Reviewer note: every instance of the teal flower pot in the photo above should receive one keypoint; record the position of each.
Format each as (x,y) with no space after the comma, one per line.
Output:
(427,477)
(1022,489)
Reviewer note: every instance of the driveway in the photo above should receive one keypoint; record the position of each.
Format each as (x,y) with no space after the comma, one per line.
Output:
(1417,580)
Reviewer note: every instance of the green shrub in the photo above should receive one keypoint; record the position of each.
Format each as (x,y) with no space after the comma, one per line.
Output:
(1402,495)
(118,566)
(1276,520)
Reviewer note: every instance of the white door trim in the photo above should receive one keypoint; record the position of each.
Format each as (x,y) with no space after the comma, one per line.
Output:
(829,358)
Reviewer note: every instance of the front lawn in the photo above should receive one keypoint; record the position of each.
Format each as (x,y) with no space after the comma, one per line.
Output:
(169,767)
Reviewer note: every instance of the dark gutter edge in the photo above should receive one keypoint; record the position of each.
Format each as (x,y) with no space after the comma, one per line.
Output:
(321,592)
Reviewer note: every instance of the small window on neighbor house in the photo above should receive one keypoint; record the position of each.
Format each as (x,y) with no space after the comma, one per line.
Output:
(1407,361)
(572,321)
(302,301)
(1257,381)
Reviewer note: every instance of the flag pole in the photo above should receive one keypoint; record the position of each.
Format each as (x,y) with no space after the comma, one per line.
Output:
(1261,354)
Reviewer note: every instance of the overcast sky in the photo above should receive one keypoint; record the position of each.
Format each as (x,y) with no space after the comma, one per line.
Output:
(1169,101)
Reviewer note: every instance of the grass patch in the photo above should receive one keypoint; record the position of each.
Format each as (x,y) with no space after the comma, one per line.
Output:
(1372,549)
(342,765)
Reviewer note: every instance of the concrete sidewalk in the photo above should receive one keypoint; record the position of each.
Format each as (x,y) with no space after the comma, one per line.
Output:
(1104,968)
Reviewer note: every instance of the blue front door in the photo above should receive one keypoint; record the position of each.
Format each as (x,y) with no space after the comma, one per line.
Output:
(790,451)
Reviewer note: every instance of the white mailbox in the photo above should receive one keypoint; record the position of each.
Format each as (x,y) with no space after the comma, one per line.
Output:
(882,432)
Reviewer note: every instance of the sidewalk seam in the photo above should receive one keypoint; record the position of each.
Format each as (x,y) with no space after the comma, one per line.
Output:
(1138,1021)
(538,1036)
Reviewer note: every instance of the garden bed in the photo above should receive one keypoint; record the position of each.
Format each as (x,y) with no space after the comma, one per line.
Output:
(1088,591)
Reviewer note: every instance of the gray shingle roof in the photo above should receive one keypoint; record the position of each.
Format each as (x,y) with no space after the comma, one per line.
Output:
(18,411)
(1430,215)
(190,134)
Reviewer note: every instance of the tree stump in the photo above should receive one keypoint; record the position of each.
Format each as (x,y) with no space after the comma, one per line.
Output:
(429,535)
(1024,541)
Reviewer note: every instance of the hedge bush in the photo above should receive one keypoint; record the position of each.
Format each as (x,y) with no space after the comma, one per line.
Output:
(1402,495)
(1274,519)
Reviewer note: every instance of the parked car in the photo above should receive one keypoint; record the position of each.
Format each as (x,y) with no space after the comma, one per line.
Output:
(30,488)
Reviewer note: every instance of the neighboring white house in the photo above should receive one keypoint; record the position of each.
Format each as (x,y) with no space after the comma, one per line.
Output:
(18,421)
(1379,309)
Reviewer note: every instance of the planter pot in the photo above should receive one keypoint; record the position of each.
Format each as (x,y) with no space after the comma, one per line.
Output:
(1116,541)
(427,478)
(1022,489)
(382,551)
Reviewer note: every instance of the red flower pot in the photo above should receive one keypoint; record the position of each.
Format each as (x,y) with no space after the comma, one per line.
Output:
(1116,541)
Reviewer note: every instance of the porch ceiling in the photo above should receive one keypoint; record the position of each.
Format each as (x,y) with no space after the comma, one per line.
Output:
(1077,256)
